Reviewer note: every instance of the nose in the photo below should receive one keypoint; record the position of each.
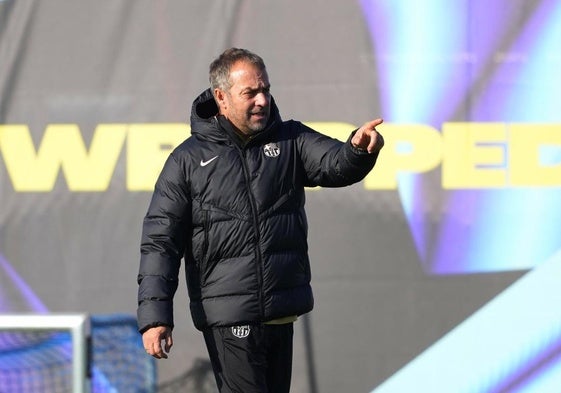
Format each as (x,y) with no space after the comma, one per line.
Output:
(262,99)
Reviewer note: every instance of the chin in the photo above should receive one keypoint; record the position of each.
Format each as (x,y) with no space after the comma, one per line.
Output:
(258,127)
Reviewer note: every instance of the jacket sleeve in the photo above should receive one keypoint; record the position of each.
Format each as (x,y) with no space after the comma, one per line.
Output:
(329,162)
(162,246)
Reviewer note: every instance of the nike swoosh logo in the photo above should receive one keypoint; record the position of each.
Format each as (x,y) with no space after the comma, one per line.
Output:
(205,163)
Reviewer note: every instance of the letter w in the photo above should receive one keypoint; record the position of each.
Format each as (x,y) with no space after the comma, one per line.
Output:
(63,148)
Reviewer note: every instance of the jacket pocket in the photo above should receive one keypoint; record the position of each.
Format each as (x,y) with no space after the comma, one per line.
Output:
(204,258)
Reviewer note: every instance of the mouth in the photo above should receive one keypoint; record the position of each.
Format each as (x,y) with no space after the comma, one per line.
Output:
(259,115)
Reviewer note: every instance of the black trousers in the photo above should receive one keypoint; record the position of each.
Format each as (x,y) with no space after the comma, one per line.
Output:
(251,358)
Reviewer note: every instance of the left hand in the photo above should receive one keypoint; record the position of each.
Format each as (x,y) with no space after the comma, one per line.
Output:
(367,138)
(153,338)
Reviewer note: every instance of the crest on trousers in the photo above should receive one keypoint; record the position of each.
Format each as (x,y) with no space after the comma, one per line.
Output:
(271,150)
(241,331)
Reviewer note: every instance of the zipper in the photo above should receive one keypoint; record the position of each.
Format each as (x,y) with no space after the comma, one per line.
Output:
(255,219)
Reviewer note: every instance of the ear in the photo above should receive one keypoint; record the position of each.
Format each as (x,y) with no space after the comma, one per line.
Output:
(220,97)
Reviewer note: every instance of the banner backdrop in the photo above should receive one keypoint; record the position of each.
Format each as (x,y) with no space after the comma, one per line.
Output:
(420,272)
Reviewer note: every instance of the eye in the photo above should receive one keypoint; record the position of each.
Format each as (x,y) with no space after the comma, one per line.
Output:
(250,93)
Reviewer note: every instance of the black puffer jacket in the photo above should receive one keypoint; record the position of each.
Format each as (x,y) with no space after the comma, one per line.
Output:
(235,211)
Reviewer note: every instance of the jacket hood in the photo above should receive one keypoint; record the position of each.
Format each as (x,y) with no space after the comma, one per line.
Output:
(206,123)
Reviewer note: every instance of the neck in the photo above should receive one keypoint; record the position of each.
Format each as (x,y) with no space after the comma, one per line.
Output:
(245,137)
(233,130)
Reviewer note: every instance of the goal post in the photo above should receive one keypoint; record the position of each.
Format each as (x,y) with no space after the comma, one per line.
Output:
(79,327)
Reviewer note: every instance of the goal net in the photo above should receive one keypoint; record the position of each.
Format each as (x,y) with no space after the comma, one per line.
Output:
(73,353)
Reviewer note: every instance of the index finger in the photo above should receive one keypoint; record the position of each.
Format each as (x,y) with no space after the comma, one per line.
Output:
(373,123)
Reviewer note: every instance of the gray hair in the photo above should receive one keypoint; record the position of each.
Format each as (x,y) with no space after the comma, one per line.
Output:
(219,70)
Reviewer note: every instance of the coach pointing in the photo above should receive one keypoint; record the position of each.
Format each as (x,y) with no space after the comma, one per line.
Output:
(230,201)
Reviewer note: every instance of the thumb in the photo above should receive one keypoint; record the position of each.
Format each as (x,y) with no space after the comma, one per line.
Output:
(169,342)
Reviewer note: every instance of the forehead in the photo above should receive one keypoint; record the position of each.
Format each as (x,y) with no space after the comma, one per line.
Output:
(244,74)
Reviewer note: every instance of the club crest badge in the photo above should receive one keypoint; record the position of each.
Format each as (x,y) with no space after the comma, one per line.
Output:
(271,150)
(241,331)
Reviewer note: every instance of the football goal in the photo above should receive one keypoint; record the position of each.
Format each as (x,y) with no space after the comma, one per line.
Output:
(45,353)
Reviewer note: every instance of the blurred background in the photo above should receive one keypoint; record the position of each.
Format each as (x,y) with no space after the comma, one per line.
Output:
(434,274)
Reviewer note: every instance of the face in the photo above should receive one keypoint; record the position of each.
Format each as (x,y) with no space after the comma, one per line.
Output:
(247,104)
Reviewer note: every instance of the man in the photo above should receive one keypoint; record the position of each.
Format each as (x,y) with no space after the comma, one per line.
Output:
(230,201)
